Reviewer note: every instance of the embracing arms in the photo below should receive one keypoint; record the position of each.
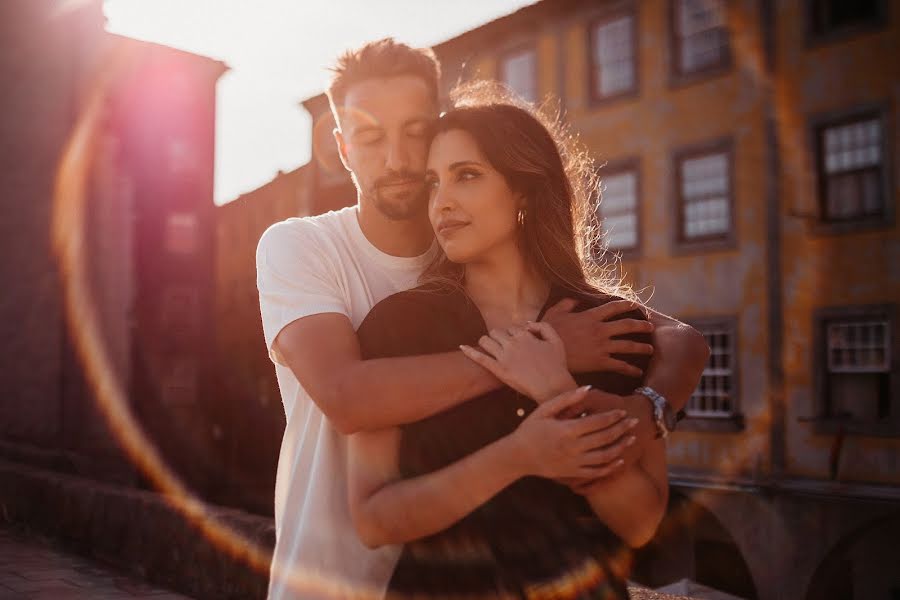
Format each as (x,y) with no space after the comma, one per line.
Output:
(324,353)
(389,510)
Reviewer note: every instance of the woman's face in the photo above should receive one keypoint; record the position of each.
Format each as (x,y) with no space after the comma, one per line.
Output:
(472,209)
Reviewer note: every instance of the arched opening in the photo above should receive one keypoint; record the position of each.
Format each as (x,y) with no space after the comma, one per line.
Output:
(861,565)
(692,543)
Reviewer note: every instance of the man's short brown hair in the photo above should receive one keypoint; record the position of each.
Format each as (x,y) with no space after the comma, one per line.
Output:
(381,59)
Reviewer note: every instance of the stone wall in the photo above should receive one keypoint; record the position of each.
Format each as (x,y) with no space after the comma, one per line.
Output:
(137,531)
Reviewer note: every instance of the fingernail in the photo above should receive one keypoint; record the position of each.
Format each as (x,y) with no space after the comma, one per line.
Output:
(630,441)
(633,421)
(620,413)
(584,388)
(620,462)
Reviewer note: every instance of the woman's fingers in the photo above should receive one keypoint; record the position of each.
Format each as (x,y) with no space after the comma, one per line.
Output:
(556,405)
(544,330)
(490,345)
(481,359)
(610,435)
(596,422)
(601,458)
(501,336)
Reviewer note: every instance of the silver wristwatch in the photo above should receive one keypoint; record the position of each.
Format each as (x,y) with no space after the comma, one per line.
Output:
(663,416)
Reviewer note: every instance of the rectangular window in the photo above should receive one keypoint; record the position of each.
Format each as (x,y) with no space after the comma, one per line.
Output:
(518,70)
(618,209)
(858,368)
(612,58)
(851,169)
(700,36)
(704,195)
(827,17)
(716,394)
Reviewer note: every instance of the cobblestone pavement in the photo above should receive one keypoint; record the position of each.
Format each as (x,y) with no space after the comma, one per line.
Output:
(32,567)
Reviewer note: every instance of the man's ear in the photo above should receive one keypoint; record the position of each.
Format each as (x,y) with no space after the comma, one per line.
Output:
(341,146)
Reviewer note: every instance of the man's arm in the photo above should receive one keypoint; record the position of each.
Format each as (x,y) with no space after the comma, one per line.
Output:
(323,352)
(680,355)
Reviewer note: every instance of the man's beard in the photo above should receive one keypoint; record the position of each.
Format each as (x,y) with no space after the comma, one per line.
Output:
(401,205)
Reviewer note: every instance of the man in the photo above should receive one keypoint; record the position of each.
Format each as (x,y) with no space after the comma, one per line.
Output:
(318,277)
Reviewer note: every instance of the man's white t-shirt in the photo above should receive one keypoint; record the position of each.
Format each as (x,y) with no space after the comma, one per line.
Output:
(308,266)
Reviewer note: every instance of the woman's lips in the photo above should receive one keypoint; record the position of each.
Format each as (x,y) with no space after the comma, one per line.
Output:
(448,227)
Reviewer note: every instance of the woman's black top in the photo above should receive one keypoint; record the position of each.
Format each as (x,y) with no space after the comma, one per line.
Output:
(537,538)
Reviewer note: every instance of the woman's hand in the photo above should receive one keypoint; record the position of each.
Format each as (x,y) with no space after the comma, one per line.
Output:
(529,359)
(546,445)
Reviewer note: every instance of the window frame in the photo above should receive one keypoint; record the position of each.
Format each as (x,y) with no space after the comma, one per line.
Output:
(719,424)
(819,123)
(594,97)
(839,34)
(827,424)
(503,56)
(677,77)
(631,163)
(680,244)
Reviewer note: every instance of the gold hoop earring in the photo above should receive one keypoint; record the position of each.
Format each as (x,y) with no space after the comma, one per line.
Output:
(521,217)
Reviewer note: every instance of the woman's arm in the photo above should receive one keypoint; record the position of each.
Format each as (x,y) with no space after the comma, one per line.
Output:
(632,499)
(389,510)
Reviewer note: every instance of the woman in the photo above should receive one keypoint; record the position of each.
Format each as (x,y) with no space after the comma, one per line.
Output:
(478,493)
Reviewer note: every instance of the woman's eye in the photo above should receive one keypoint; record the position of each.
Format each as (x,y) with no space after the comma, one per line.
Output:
(467,175)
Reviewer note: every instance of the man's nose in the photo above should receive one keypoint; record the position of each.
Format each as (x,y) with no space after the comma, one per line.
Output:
(397,157)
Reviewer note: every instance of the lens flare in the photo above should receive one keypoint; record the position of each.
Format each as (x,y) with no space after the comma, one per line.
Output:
(70,202)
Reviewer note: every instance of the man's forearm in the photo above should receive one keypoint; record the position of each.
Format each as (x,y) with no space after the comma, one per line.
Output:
(388,392)
(679,357)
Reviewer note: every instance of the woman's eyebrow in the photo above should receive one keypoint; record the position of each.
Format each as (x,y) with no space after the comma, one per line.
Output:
(464,163)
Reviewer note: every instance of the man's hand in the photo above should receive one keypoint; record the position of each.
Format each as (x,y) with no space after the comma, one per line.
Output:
(589,336)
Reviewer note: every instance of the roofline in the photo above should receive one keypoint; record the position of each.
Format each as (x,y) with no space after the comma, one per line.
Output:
(221,65)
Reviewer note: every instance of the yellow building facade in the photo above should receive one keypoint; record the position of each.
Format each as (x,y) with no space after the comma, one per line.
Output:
(748,152)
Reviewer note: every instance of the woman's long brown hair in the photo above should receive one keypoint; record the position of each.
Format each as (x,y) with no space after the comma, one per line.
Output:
(543,162)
